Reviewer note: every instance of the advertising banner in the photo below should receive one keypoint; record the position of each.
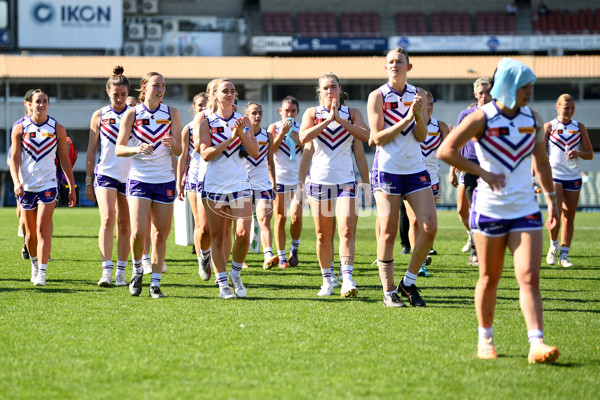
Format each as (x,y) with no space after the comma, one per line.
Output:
(483,43)
(340,44)
(70,24)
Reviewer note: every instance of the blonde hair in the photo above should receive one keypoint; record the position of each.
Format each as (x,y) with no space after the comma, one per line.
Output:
(481,81)
(330,75)
(143,81)
(215,85)
(564,97)
(398,50)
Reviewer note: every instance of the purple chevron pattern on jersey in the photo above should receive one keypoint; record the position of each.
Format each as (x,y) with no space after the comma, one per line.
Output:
(430,144)
(559,138)
(218,136)
(333,138)
(38,142)
(150,136)
(286,149)
(510,151)
(109,127)
(263,149)
(391,110)
(191,132)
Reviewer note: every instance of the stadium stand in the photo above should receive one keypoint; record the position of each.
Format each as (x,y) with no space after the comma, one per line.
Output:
(583,21)
(407,23)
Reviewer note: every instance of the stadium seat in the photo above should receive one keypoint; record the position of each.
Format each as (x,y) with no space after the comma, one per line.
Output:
(558,20)
(536,26)
(568,28)
(589,20)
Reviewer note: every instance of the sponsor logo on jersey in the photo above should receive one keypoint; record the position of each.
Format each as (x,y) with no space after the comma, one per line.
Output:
(433,133)
(48,194)
(557,131)
(109,121)
(498,131)
(31,135)
(217,129)
(318,121)
(162,121)
(390,106)
(423,178)
(573,132)
(48,134)
(140,122)
(170,193)
(526,130)
(408,103)
(263,142)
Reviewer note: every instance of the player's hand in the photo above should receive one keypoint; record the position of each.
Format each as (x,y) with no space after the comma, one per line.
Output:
(286,126)
(89,193)
(496,181)
(145,148)
(19,191)
(72,198)
(167,140)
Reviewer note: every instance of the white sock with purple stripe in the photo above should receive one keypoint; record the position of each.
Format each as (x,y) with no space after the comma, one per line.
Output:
(107,266)
(326,274)
(137,266)
(236,268)
(42,269)
(282,256)
(295,244)
(347,272)
(155,279)
(222,279)
(121,265)
(268,253)
(564,251)
(535,335)
(34,262)
(409,279)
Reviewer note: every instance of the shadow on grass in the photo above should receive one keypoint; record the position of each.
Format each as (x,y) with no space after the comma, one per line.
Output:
(74,236)
(571,310)
(44,289)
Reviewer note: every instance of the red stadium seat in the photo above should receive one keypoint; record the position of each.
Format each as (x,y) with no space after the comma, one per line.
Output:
(575,24)
(568,28)
(581,20)
(589,20)
(536,26)
(375,24)
(511,25)
(558,21)
(544,24)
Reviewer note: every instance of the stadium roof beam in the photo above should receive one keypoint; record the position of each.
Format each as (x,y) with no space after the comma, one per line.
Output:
(284,68)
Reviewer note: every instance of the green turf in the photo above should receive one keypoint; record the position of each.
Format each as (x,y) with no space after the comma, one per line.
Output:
(74,340)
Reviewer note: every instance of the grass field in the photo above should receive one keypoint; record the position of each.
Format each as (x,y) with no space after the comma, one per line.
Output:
(72,339)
